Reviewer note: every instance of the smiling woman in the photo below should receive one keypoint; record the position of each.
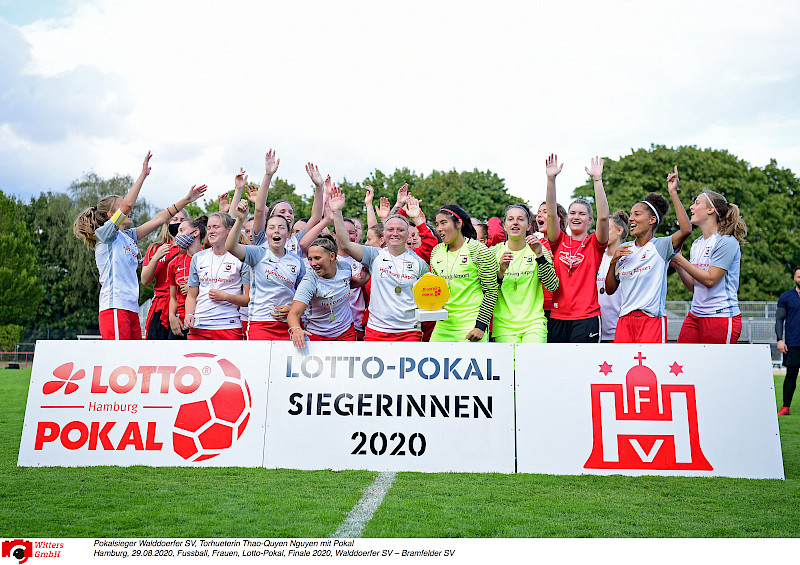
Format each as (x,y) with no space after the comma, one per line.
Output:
(575,317)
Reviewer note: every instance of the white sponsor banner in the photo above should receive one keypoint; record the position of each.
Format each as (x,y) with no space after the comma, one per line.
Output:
(697,410)
(391,407)
(159,403)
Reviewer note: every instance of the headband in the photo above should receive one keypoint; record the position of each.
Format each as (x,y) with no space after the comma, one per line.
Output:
(712,204)
(653,208)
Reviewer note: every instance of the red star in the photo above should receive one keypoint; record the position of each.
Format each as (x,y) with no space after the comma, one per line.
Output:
(605,368)
(676,369)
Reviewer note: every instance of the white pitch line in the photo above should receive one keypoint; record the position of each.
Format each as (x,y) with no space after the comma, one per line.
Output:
(362,512)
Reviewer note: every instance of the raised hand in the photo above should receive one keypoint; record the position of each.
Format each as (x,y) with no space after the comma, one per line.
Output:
(505,261)
(552,167)
(368,196)
(672,180)
(383,210)
(224,202)
(535,244)
(241,179)
(271,163)
(196,192)
(146,164)
(336,199)
(402,195)
(412,208)
(251,191)
(327,214)
(596,170)
(313,172)
(242,210)
(327,185)
(161,252)
(620,253)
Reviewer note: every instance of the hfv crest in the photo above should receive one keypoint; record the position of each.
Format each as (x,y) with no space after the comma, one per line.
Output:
(636,426)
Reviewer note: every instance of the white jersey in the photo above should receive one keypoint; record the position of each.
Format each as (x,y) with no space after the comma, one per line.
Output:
(326,299)
(643,277)
(221,272)
(391,311)
(609,303)
(292,242)
(723,252)
(117,257)
(358,304)
(273,280)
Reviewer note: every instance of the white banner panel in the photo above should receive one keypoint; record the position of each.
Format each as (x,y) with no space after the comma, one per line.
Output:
(159,403)
(698,410)
(391,407)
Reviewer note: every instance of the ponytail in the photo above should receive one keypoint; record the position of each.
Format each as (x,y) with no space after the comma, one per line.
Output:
(730,218)
(92,218)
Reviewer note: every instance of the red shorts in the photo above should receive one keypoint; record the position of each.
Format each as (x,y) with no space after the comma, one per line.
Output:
(273,331)
(427,330)
(245,325)
(359,335)
(701,329)
(374,335)
(119,324)
(232,333)
(348,335)
(638,327)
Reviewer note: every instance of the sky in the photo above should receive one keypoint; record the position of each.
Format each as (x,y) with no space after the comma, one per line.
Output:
(208,87)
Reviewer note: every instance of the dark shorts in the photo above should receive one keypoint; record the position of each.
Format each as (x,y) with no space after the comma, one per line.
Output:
(574,331)
(792,359)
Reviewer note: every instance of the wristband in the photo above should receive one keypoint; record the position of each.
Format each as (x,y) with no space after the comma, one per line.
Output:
(118,218)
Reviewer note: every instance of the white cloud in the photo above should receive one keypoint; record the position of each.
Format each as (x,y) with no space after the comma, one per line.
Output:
(356,86)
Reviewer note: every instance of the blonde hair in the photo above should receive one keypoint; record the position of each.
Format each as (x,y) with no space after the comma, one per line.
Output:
(92,218)
(729,218)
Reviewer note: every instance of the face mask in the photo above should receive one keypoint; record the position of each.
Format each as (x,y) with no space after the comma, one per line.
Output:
(173,229)
(184,240)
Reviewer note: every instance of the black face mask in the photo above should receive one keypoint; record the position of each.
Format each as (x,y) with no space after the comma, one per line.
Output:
(173,229)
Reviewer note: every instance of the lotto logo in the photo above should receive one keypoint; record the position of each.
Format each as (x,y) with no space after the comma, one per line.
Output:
(64,378)
(635,427)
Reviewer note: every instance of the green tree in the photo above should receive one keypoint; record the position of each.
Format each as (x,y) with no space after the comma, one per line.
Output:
(481,193)
(67,268)
(20,289)
(767,198)
(89,189)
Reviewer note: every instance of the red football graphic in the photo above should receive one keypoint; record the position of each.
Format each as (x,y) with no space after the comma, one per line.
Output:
(205,428)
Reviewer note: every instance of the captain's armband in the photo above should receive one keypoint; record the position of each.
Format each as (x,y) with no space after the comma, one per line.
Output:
(118,218)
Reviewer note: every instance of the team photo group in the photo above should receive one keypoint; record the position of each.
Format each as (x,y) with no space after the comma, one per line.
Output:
(549,275)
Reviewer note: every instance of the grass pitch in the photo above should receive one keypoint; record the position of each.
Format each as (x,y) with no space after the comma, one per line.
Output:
(238,502)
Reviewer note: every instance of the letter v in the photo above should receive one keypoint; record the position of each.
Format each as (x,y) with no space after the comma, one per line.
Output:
(646,457)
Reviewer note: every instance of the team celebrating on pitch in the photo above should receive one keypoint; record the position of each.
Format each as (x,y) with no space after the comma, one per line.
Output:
(527,278)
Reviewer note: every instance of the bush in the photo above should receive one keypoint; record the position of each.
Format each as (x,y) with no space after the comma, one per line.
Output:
(10,335)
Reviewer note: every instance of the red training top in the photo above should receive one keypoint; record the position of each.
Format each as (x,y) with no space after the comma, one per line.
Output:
(178,274)
(576,263)
(160,285)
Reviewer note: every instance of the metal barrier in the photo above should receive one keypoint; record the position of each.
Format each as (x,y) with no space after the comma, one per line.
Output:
(14,359)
